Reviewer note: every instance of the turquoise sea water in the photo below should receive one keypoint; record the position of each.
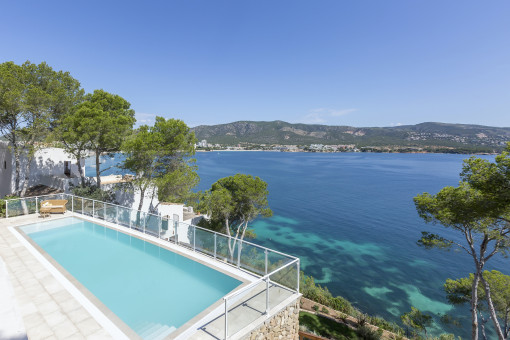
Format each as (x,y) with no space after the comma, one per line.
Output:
(144,285)
(350,217)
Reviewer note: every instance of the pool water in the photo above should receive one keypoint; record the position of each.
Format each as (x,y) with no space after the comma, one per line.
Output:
(151,289)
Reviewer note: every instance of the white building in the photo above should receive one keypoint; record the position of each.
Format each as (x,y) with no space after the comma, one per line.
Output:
(51,166)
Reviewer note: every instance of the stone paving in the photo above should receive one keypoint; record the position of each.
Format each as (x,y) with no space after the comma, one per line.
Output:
(47,309)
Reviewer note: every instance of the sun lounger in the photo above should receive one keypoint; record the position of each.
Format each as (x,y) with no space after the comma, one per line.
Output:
(52,206)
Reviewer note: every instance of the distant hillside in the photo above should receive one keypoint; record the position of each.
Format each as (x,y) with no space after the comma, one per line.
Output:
(459,136)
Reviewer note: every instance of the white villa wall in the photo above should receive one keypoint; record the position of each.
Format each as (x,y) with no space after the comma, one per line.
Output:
(47,168)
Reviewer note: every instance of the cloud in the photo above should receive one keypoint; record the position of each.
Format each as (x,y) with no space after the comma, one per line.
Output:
(324,115)
(145,118)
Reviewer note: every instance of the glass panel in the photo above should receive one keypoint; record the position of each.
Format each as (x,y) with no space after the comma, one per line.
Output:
(87,206)
(167,229)
(185,234)
(14,208)
(111,213)
(283,284)
(253,259)
(152,224)
(223,250)
(69,203)
(99,210)
(275,261)
(77,201)
(204,241)
(124,216)
(137,220)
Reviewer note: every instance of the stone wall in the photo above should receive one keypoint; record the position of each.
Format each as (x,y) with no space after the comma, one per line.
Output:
(284,325)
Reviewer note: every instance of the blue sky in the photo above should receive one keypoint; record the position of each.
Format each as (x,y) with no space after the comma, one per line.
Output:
(342,62)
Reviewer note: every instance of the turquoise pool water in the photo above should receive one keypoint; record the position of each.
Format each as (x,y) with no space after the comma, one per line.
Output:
(153,290)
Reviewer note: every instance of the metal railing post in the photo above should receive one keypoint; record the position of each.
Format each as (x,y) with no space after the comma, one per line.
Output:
(143,224)
(104,211)
(267,295)
(93,209)
(265,252)
(117,214)
(72,204)
(82,207)
(226,321)
(194,237)
(36,205)
(6,209)
(239,247)
(175,230)
(298,275)
(215,245)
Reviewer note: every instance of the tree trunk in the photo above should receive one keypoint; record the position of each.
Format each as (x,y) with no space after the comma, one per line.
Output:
(80,171)
(18,170)
(28,166)
(492,311)
(474,304)
(142,196)
(98,171)
(482,325)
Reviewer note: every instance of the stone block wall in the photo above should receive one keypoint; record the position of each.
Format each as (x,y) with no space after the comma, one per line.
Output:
(284,325)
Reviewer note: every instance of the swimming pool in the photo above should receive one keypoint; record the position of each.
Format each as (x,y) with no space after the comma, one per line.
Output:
(151,289)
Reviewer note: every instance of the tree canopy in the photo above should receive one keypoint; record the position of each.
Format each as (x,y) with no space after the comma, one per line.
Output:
(106,120)
(479,210)
(161,156)
(458,292)
(234,201)
(32,97)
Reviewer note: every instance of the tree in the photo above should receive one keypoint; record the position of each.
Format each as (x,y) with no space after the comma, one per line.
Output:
(458,292)
(161,156)
(107,118)
(480,211)
(416,320)
(234,202)
(31,96)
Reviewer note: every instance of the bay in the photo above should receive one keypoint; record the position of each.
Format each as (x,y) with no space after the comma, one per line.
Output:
(350,218)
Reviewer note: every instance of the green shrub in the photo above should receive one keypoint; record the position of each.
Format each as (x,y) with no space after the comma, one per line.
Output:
(366,333)
(315,308)
(95,193)
(325,310)
(2,204)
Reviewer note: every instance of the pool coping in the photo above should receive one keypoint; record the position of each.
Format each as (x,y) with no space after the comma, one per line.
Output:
(103,315)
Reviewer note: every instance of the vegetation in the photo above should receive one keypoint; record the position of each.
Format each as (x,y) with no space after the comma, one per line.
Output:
(417,320)
(430,137)
(95,193)
(3,204)
(233,202)
(32,97)
(479,210)
(160,156)
(109,119)
(459,293)
(325,327)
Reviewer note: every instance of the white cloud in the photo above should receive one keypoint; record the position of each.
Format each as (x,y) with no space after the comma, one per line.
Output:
(145,118)
(324,115)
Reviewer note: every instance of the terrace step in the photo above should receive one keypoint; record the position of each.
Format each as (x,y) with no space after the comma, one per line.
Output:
(155,331)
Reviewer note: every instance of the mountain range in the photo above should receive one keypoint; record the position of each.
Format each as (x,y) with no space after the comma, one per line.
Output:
(461,137)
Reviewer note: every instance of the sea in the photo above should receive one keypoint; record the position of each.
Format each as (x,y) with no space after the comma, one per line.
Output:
(351,219)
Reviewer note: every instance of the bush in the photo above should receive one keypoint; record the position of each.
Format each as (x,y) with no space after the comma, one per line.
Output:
(315,308)
(95,193)
(2,204)
(367,333)
(325,310)
(323,296)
